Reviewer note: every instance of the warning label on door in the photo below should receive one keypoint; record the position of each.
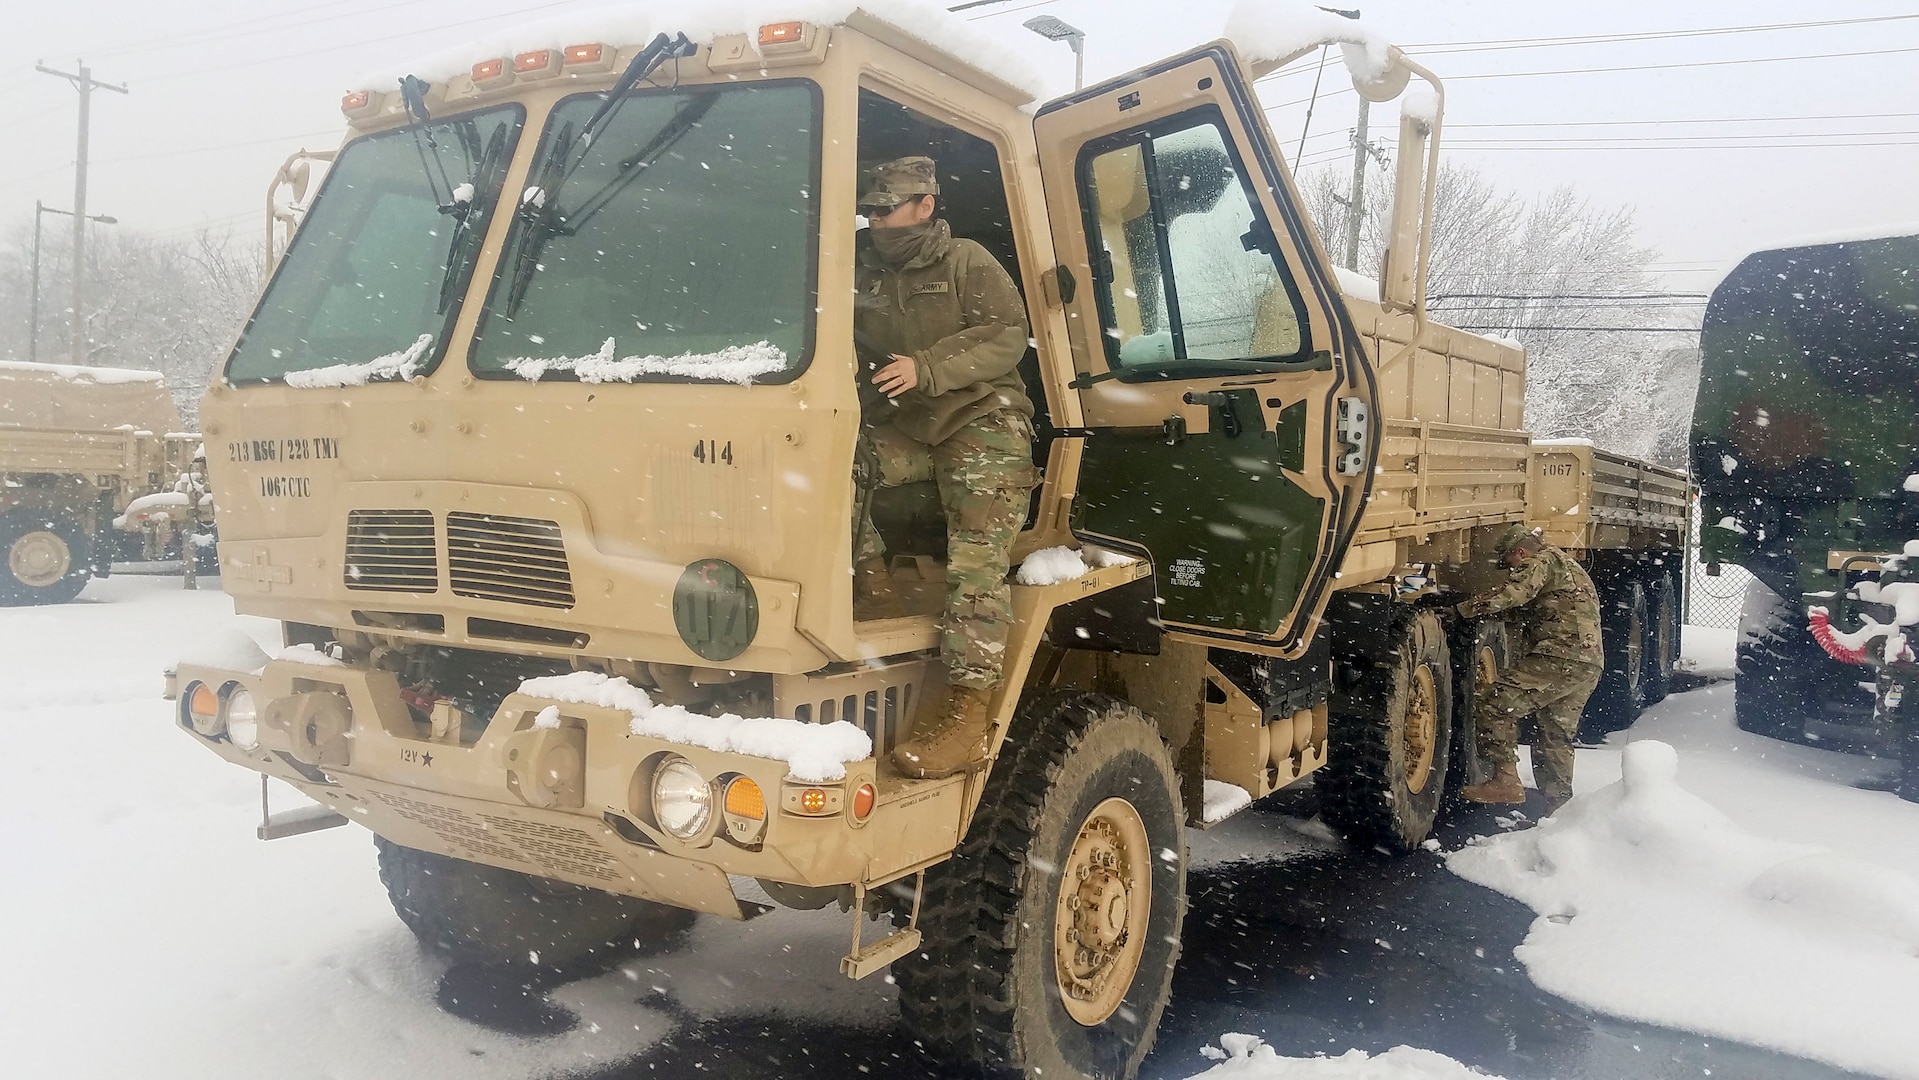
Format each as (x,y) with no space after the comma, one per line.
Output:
(1187,573)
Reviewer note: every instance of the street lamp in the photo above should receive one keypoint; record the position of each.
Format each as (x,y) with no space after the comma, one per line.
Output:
(33,310)
(1055,29)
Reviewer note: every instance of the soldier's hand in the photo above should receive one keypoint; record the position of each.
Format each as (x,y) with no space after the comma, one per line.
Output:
(898,377)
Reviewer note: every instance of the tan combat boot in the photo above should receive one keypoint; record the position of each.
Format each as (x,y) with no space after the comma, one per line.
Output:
(953,736)
(873,594)
(1504,789)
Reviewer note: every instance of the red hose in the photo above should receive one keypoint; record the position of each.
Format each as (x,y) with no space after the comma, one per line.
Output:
(1821,626)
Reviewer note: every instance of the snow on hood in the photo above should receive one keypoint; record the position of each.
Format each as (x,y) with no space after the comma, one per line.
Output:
(401,366)
(1656,907)
(739,364)
(232,650)
(1004,57)
(813,753)
(1266,30)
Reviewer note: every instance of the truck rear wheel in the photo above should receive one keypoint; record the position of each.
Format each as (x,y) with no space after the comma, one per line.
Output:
(474,914)
(1662,637)
(1051,935)
(1623,631)
(46,559)
(1391,739)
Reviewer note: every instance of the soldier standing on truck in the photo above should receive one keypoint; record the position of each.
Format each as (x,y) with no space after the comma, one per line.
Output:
(1556,611)
(956,412)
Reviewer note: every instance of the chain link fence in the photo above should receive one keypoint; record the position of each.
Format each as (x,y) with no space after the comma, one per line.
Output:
(1712,601)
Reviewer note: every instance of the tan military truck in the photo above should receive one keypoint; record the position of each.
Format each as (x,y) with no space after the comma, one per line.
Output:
(79,447)
(540,445)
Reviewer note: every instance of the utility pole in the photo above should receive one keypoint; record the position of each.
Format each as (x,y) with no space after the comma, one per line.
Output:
(1357,205)
(85,83)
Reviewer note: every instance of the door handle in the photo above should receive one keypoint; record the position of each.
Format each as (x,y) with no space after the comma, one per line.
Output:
(1220,406)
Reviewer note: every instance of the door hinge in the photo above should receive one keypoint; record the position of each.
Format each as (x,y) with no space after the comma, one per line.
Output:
(1355,420)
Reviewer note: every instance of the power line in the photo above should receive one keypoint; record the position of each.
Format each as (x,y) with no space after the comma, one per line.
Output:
(222,146)
(1569,296)
(1594,329)
(1689,64)
(1697,120)
(1499,44)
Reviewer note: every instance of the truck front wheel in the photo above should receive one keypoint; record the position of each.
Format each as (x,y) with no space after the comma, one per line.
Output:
(1050,936)
(1391,738)
(46,559)
(474,914)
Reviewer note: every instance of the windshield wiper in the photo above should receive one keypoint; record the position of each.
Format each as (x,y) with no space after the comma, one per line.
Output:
(468,206)
(539,203)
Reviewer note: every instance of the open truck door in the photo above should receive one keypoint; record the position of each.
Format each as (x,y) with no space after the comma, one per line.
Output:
(1229,430)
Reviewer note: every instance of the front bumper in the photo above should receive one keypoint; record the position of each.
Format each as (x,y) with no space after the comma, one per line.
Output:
(345,737)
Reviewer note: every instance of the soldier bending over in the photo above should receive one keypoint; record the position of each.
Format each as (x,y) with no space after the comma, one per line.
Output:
(1554,670)
(955,412)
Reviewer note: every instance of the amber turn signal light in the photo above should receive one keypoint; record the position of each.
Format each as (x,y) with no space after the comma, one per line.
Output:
(780,33)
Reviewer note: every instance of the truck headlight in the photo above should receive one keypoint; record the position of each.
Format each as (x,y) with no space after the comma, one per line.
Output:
(240,716)
(682,798)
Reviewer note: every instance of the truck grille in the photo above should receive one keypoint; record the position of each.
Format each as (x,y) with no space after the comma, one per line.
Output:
(519,560)
(391,551)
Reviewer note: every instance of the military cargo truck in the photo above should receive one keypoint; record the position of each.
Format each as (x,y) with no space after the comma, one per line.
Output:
(79,446)
(542,443)
(1806,428)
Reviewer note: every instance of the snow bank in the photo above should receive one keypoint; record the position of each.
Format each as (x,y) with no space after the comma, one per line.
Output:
(1269,30)
(812,752)
(101,375)
(1244,1057)
(1050,566)
(739,364)
(637,23)
(401,366)
(1654,906)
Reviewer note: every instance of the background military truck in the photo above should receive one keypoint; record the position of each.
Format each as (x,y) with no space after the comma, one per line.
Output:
(540,445)
(78,447)
(1805,430)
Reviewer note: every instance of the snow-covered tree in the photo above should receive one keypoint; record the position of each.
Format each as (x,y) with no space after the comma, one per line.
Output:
(1559,275)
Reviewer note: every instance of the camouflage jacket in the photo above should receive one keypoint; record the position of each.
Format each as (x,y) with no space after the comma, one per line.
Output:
(1555,608)
(956,312)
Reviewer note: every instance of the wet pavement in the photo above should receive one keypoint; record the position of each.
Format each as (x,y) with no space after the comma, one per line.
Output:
(1313,948)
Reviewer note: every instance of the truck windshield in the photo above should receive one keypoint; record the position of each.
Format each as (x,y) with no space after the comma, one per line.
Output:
(359,295)
(678,243)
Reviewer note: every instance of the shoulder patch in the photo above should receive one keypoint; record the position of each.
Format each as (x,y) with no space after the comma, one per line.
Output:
(926,287)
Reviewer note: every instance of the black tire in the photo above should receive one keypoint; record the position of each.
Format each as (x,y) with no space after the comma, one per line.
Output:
(1621,694)
(1662,639)
(1783,678)
(28,540)
(1381,787)
(473,914)
(1481,650)
(984,989)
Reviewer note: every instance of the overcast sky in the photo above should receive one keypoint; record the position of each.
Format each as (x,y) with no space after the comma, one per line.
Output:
(1722,139)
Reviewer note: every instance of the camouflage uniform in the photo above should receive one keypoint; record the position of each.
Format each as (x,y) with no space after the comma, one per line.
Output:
(1558,662)
(967,425)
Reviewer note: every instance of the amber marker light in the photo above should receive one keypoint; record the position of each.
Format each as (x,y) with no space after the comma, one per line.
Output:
(203,709)
(584,54)
(359,99)
(745,800)
(784,33)
(813,801)
(487,70)
(863,798)
(537,60)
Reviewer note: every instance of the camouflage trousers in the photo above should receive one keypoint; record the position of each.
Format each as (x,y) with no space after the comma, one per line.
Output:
(985,473)
(1551,690)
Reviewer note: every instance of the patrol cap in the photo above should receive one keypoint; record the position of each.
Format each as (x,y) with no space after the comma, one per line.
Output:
(893,182)
(1514,535)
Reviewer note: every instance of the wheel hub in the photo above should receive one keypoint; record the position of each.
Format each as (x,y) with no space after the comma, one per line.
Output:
(1422,730)
(39,559)
(1105,893)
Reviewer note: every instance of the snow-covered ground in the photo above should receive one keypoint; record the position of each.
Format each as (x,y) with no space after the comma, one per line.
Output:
(147,933)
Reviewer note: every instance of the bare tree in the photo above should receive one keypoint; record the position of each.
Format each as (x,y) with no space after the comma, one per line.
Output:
(1561,277)
(170,305)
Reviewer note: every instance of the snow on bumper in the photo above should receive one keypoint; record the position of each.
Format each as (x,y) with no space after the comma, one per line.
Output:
(559,789)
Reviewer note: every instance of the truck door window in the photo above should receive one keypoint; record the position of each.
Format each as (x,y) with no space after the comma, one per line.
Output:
(1188,270)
